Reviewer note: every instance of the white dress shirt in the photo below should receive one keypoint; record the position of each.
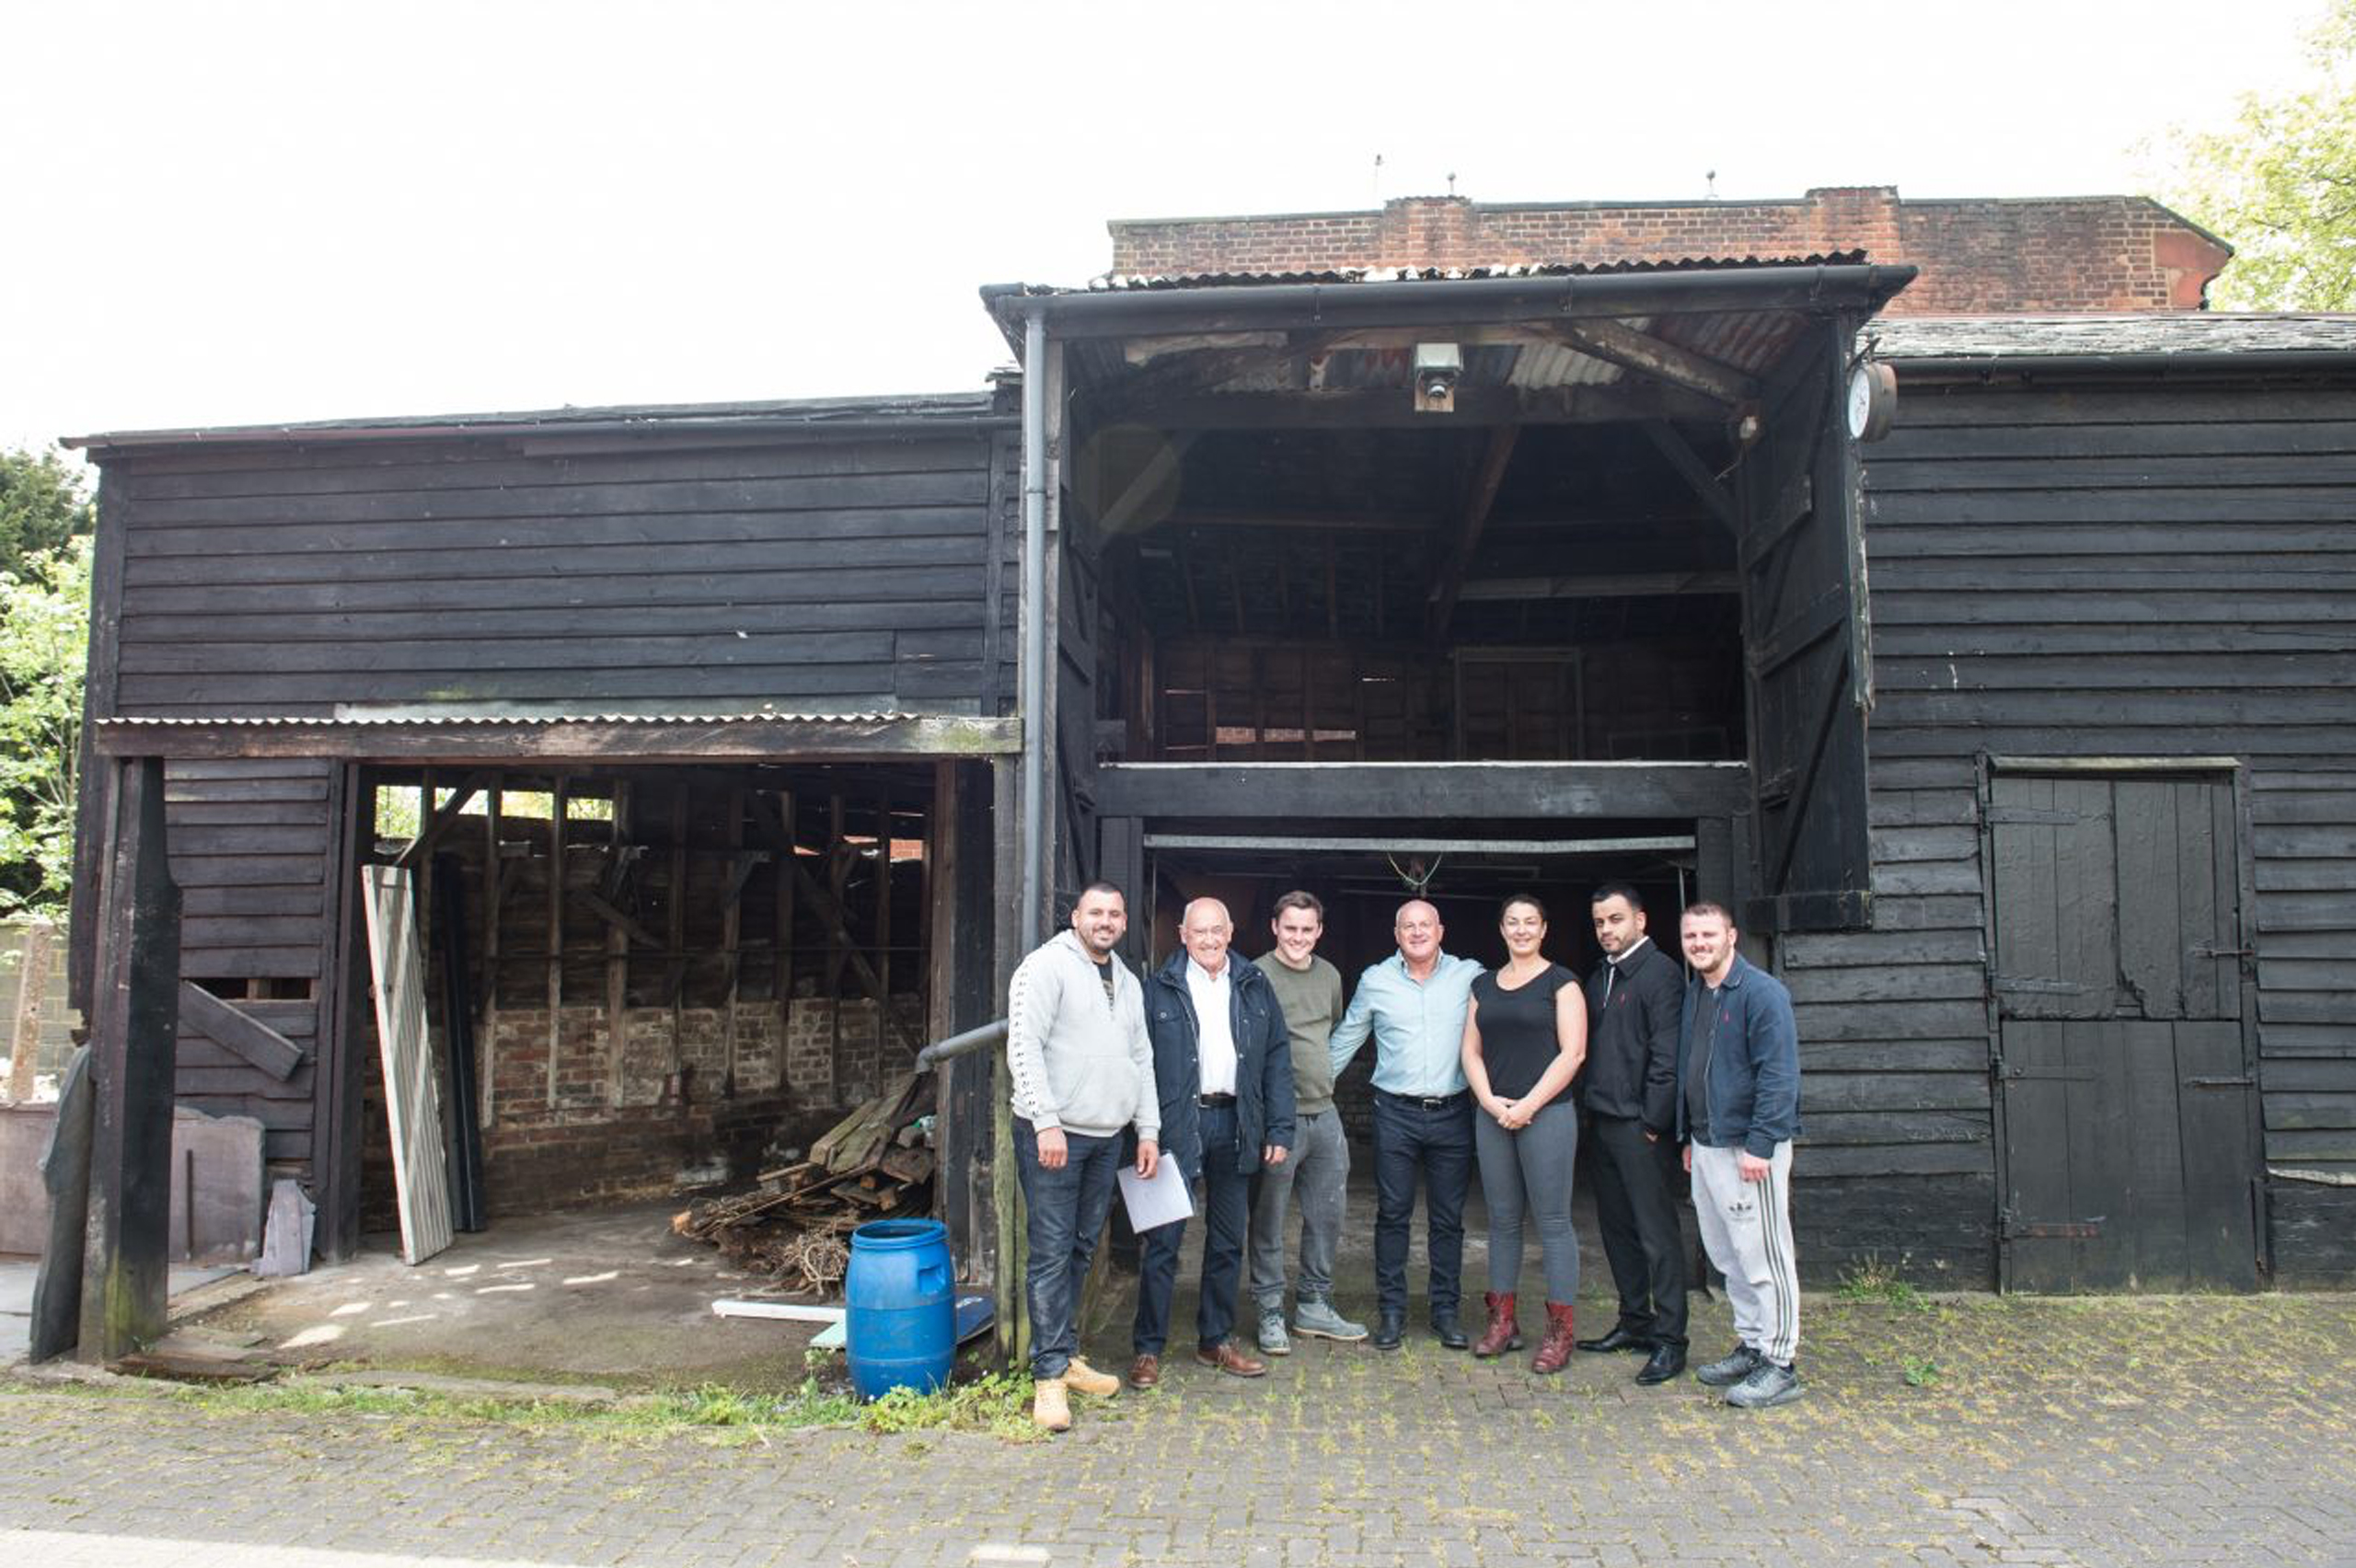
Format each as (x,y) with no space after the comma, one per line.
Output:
(1215,1035)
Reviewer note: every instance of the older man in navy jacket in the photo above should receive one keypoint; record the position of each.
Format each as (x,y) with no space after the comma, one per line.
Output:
(1222,1062)
(1738,1107)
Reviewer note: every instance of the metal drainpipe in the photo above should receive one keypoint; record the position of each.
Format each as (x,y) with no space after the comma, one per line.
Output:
(1034,623)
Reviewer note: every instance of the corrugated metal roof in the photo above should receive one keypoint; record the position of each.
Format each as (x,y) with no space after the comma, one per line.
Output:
(427,720)
(947,408)
(1899,339)
(1118,282)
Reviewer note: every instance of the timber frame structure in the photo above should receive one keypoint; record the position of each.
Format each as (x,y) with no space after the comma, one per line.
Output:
(1308,571)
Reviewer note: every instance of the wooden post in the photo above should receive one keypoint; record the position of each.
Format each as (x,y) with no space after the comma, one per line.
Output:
(884,923)
(617,951)
(493,873)
(732,934)
(788,862)
(676,977)
(556,926)
(33,979)
(1006,1192)
(134,1049)
(838,945)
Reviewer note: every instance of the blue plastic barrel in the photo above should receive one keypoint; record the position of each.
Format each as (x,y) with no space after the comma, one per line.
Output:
(901,1326)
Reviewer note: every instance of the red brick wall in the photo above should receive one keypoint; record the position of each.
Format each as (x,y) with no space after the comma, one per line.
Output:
(2095,253)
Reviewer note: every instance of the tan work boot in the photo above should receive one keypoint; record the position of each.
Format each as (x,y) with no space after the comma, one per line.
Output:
(1082,1378)
(1050,1411)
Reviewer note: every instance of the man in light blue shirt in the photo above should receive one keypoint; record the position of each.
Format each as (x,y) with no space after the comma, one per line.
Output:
(1414,1004)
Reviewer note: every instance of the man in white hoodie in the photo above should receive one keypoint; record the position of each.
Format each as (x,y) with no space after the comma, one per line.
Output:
(1082,1070)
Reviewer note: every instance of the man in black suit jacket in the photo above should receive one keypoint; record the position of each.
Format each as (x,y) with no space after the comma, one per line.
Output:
(1629,1086)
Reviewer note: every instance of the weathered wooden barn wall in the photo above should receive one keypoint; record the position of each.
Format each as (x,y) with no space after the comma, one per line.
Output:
(254,850)
(668,570)
(838,576)
(2120,572)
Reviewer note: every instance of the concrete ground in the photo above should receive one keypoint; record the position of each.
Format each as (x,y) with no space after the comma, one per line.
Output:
(18,1276)
(2187,1430)
(1963,1430)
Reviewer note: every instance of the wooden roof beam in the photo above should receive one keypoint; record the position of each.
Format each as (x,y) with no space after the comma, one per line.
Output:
(1714,492)
(1616,342)
(1635,586)
(1478,498)
(1391,407)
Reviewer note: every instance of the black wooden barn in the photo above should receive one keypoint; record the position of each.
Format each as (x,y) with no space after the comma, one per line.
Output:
(1509,580)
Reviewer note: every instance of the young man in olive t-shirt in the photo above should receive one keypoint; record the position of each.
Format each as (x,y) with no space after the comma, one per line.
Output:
(1310,991)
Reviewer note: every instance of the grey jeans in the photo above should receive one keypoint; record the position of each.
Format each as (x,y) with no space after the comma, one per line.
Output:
(1529,1173)
(1319,1166)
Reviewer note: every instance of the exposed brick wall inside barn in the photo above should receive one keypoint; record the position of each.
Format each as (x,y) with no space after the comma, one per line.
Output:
(791,1086)
(2094,253)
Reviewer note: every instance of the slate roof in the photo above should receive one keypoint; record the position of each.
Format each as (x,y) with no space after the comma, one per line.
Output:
(2154,334)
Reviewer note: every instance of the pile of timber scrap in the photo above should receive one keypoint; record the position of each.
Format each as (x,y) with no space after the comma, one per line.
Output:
(796,1227)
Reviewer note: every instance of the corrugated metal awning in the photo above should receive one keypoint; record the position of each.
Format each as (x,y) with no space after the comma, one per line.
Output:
(576,738)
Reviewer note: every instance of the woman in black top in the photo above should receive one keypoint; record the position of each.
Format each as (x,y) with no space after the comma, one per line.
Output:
(1524,1038)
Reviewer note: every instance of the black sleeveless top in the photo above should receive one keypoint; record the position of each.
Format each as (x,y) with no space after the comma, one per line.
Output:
(1517,1039)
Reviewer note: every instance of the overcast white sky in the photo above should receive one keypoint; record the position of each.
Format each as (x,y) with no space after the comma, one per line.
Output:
(234,213)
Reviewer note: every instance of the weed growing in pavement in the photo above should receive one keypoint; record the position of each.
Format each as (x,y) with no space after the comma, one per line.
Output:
(1872,1280)
(1921,1372)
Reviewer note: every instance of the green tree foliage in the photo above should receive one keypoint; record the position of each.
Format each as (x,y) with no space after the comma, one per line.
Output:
(43,503)
(2279,186)
(44,641)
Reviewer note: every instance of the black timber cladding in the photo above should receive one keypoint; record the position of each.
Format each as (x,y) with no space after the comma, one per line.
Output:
(656,573)
(2111,570)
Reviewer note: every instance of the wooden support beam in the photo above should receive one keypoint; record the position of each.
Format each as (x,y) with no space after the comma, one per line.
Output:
(783,963)
(1473,516)
(433,820)
(620,932)
(494,888)
(1391,407)
(1710,488)
(132,1049)
(833,921)
(1616,342)
(731,933)
(674,976)
(883,912)
(557,787)
(1126,510)
(586,742)
(1408,789)
(1638,586)
(1347,519)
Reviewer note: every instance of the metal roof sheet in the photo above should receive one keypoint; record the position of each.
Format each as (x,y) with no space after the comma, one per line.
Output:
(2158,334)
(1120,281)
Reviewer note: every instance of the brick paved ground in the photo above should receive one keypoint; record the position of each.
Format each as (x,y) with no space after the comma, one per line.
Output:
(2209,1430)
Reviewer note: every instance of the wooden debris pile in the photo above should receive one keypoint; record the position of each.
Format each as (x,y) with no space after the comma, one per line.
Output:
(796,1227)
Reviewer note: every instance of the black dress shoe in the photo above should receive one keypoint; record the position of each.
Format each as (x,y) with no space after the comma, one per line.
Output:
(1451,1333)
(1667,1361)
(1389,1330)
(1618,1339)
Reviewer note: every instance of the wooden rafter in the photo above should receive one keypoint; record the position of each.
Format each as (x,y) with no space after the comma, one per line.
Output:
(442,818)
(1714,491)
(1616,342)
(1641,585)
(1471,518)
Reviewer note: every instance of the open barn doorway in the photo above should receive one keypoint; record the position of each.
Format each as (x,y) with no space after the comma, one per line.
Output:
(643,984)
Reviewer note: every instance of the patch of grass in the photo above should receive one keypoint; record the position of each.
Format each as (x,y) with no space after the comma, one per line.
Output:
(1872,1280)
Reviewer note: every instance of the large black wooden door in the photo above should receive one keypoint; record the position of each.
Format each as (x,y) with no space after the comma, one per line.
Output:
(1806,649)
(2123,1067)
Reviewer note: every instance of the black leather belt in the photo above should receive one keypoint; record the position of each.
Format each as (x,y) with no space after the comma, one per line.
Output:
(1215,1102)
(1429,1102)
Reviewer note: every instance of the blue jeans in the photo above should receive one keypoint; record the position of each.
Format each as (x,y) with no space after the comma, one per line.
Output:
(1435,1142)
(1227,1206)
(1064,1214)
(1318,1172)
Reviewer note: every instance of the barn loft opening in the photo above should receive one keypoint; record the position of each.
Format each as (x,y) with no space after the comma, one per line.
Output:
(1433,593)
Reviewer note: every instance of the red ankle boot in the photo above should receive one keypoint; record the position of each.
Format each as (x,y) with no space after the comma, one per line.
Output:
(1554,1350)
(1504,1329)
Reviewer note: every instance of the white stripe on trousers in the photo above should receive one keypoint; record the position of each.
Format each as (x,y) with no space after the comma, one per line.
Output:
(1747,1229)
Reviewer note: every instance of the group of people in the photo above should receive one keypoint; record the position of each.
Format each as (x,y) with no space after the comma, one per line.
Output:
(1227,1066)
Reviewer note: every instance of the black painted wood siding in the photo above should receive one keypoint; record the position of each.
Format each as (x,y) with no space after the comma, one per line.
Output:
(833,576)
(2121,574)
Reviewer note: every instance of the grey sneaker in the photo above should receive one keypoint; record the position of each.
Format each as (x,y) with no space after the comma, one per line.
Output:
(1317,1320)
(1731,1369)
(1767,1387)
(1273,1339)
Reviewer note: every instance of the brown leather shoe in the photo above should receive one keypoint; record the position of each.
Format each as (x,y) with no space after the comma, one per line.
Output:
(1145,1372)
(1503,1332)
(1554,1350)
(1229,1358)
